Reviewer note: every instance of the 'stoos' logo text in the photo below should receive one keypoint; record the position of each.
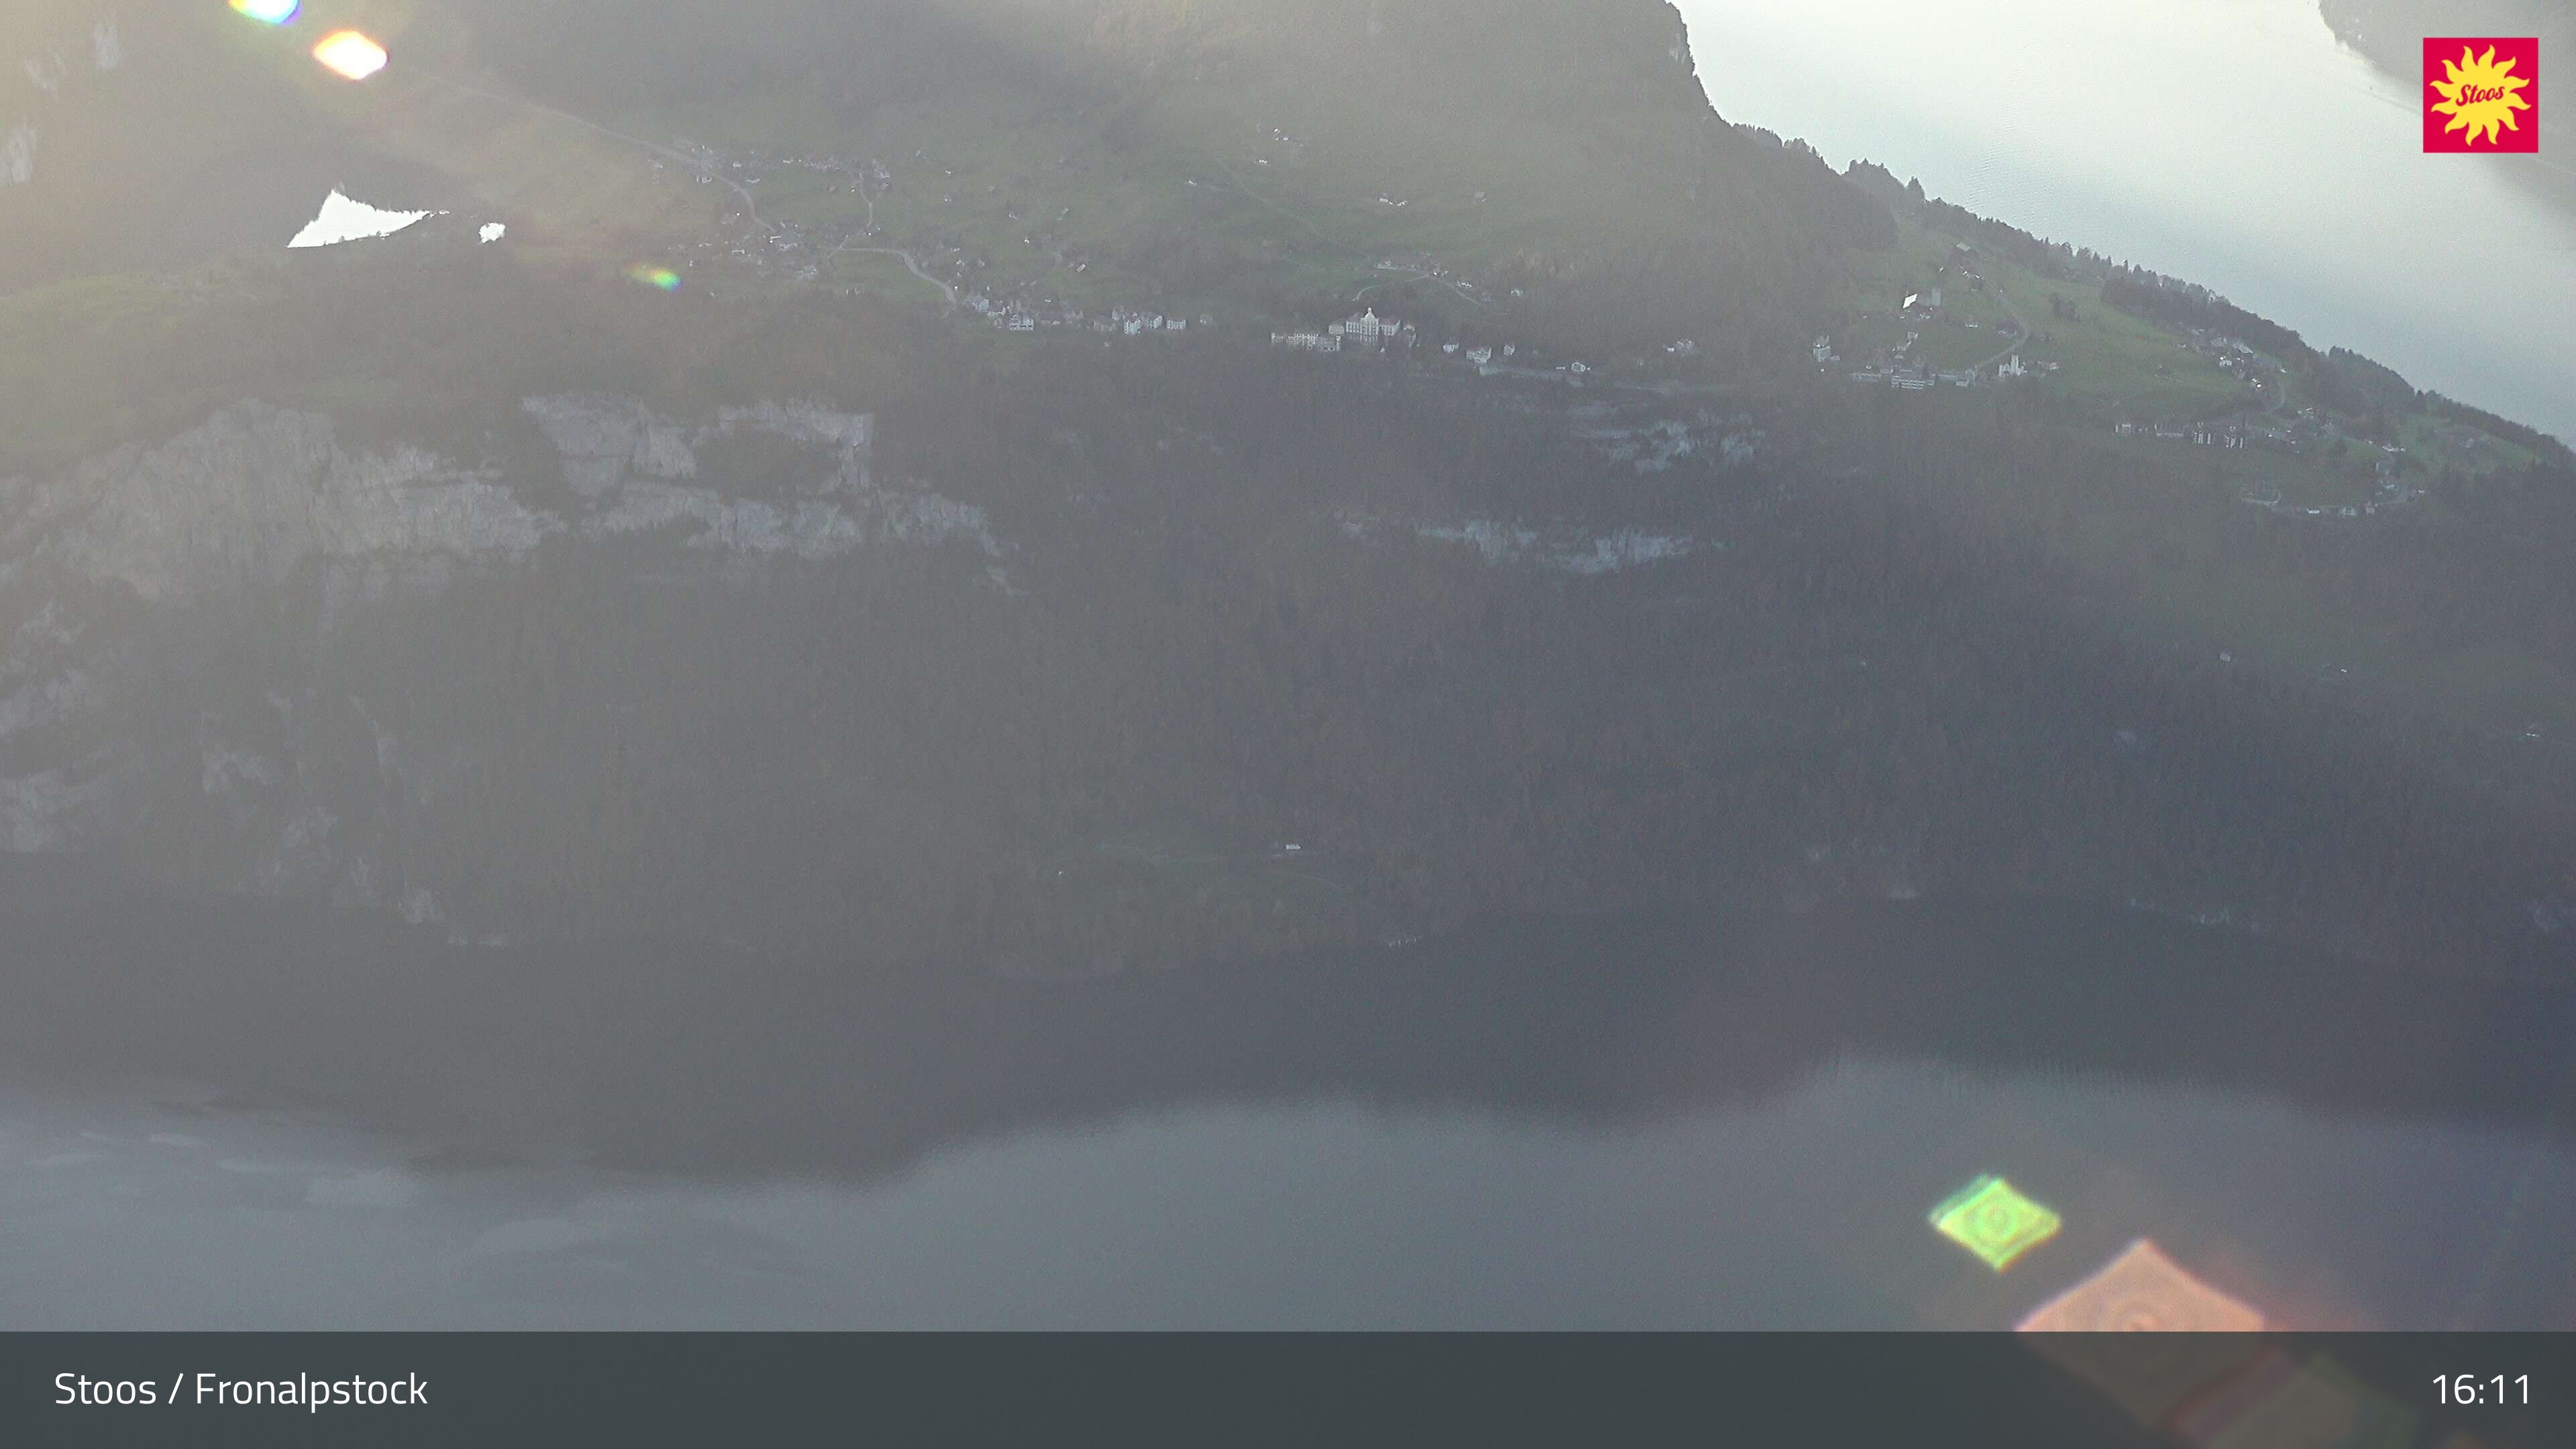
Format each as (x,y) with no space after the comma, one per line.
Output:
(2481,93)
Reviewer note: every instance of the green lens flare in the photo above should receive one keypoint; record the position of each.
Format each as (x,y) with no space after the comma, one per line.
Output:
(1990,1219)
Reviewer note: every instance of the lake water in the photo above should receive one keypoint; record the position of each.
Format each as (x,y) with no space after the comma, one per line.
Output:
(2235,143)
(1594,1123)
(1805,1212)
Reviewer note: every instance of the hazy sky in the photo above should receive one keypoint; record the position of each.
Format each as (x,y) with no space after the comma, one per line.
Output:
(2233,142)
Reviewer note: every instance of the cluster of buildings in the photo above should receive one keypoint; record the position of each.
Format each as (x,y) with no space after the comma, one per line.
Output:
(1366,332)
(2265,375)
(2205,435)
(1898,368)
(1911,377)
(2305,433)
(1369,332)
(1917,376)
(1116,322)
(2231,353)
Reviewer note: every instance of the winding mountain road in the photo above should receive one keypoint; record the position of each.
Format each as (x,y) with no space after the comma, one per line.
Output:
(2019,321)
(946,290)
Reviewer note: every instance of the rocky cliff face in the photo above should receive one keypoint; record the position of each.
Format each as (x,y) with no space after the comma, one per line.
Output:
(1117,693)
(247,498)
(172,615)
(715,667)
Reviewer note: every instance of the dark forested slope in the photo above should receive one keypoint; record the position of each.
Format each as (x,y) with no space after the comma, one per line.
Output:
(478,584)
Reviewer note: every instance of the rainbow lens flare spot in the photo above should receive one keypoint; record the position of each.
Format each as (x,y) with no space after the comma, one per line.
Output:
(347,53)
(662,277)
(268,12)
(1991,1220)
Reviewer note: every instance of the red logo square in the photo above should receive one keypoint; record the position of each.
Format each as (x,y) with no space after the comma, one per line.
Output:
(2481,93)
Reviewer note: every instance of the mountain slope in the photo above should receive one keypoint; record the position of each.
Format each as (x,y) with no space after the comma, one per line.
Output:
(481,585)
(1234,155)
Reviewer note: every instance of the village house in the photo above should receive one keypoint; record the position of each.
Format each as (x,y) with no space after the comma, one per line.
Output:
(1370,330)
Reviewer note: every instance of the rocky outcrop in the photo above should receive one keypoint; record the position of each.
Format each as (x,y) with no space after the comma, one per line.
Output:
(606,441)
(246,497)
(18,156)
(849,436)
(47,811)
(169,615)
(1563,549)
(807,529)
(623,460)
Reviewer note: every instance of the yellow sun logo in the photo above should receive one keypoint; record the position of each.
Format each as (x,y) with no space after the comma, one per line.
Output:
(2478,95)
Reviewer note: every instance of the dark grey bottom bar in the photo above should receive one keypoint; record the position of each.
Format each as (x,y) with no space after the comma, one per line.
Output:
(2065,1391)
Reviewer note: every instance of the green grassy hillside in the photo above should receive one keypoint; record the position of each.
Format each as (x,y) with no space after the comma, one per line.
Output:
(1257,153)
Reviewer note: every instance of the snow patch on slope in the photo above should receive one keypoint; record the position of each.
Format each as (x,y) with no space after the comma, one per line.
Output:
(1627,548)
(47,812)
(42,704)
(344,219)
(623,460)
